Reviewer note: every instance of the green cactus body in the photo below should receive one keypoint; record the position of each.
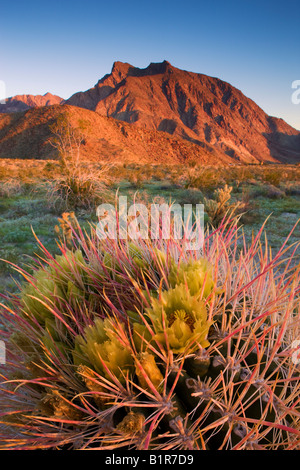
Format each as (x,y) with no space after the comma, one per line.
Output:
(69,273)
(101,350)
(37,299)
(53,285)
(125,347)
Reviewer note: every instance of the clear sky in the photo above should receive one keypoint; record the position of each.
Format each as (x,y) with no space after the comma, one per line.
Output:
(66,46)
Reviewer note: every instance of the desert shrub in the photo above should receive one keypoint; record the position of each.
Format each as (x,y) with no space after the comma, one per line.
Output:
(144,345)
(268,191)
(3,173)
(221,205)
(273,177)
(11,187)
(190,196)
(159,174)
(137,178)
(250,207)
(83,189)
(203,178)
(291,189)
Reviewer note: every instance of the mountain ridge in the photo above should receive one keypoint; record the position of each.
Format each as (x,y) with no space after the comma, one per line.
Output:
(194,107)
(19,103)
(204,111)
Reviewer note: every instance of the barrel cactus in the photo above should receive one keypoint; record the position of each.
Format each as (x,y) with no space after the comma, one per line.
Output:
(146,346)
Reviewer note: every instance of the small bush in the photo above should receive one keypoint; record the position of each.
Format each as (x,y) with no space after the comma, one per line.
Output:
(84,190)
(11,187)
(273,177)
(268,191)
(221,206)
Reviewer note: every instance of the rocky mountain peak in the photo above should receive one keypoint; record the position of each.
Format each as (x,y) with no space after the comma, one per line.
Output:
(120,69)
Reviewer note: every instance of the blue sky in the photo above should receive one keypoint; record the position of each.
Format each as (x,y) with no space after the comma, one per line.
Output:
(66,46)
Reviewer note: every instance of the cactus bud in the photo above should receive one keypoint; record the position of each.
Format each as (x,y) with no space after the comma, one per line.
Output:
(132,423)
(150,368)
(101,349)
(196,274)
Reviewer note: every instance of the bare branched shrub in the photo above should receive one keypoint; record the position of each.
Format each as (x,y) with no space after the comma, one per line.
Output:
(77,185)
(68,141)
